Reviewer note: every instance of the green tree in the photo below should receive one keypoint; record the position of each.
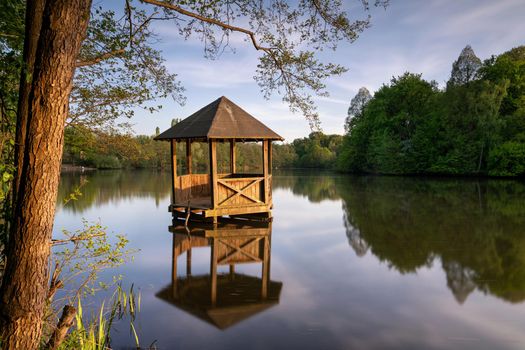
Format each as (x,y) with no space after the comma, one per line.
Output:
(391,134)
(465,68)
(358,103)
(509,66)
(470,127)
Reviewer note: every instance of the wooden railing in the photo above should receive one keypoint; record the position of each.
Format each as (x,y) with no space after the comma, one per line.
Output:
(236,190)
(191,186)
(233,192)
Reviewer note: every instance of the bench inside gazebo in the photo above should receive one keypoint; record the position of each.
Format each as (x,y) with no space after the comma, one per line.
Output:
(230,193)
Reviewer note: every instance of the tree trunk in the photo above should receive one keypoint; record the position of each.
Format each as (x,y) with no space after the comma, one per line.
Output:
(25,284)
(33,24)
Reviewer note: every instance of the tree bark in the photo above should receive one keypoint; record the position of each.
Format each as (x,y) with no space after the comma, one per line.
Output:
(25,283)
(33,24)
(65,322)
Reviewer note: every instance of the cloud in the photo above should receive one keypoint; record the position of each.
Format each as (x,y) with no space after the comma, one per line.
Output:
(214,74)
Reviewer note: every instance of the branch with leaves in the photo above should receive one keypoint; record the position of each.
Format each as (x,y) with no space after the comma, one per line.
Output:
(288,34)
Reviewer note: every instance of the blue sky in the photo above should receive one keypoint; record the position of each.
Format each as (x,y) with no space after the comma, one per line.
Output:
(409,35)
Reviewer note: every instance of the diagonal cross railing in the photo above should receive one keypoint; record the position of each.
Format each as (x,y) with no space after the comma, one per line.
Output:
(239,249)
(240,192)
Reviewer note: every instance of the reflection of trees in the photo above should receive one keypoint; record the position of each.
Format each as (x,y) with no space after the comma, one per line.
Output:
(106,186)
(475,228)
(460,280)
(316,188)
(358,244)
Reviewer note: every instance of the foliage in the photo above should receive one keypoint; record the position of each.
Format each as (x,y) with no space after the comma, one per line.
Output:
(473,127)
(284,155)
(509,66)
(118,69)
(76,275)
(94,333)
(387,136)
(113,150)
(78,267)
(508,159)
(104,150)
(287,34)
(11,47)
(317,150)
(465,68)
(357,105)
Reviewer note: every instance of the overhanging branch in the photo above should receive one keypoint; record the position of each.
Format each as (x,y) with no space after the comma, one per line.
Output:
(100,58)
(211,21)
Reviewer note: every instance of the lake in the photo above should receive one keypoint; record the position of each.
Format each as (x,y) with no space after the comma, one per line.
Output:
(357,262)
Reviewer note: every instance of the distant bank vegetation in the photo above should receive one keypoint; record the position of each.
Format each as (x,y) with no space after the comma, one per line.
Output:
(473,126)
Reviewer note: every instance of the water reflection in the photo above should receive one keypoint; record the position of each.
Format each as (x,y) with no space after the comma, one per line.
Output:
(103,187)
(223,299)
(368,262)
(474,228)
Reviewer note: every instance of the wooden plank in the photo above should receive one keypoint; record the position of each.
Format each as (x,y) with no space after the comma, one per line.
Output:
(233,158)
(243,209)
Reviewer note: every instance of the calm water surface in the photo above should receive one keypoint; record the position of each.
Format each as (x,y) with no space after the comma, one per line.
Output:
(356,262)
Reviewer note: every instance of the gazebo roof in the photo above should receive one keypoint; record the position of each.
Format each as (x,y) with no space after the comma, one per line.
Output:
(221,119)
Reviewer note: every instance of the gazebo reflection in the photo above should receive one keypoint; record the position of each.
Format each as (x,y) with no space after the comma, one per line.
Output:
(223,299)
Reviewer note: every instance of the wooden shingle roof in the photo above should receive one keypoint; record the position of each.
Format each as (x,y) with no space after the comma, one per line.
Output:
(221,119)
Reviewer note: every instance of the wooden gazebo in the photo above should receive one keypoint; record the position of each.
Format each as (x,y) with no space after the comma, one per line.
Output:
(223,299)
(219,194)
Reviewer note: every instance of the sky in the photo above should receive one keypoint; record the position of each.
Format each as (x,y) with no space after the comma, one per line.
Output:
(409,35)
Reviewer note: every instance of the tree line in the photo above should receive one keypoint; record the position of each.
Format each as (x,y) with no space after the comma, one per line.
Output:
(117,150)
(474,126)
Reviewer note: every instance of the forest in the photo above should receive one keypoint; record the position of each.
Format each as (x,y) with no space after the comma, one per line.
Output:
(474,126)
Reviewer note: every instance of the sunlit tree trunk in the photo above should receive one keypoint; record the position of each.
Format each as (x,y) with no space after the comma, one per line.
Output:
(33,24)
(25,284)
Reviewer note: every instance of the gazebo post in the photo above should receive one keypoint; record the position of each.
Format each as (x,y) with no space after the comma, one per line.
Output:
(232,157)
(188,156)
(173,169)
(213,175)
(265,170)
(270,157)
